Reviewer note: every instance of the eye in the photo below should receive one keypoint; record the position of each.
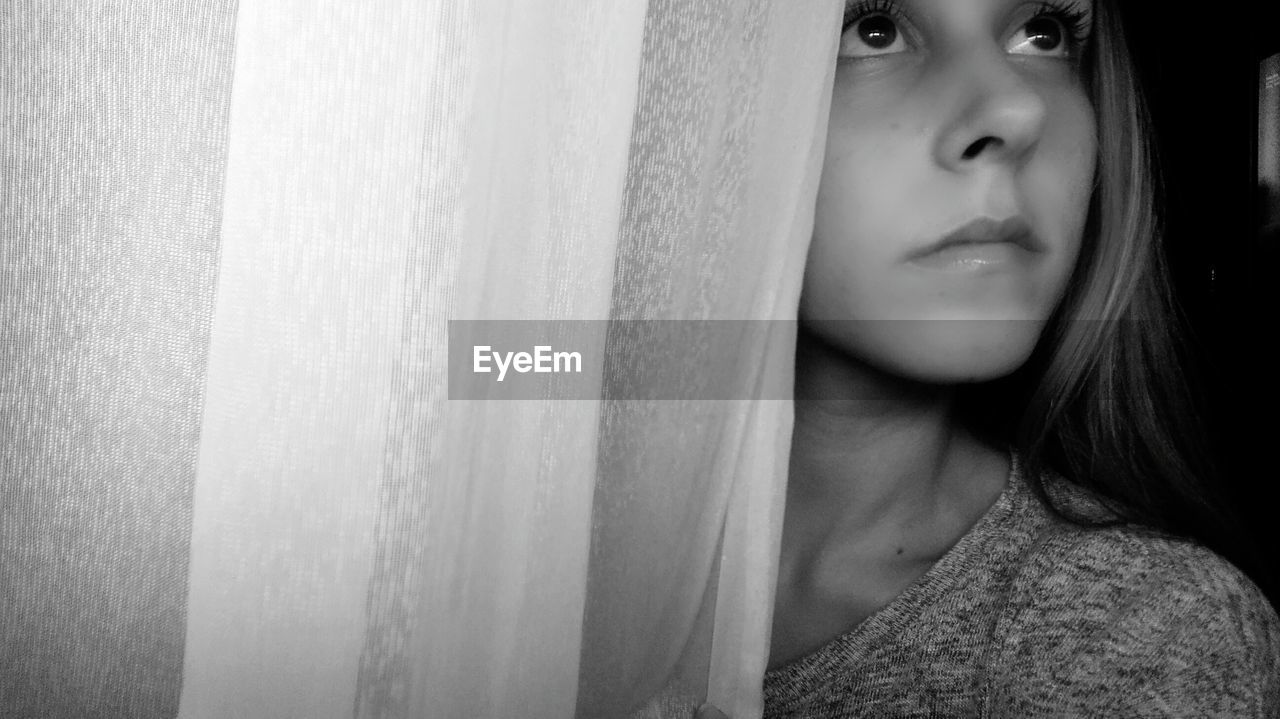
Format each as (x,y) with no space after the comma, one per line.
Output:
(871,35)
(1043,35)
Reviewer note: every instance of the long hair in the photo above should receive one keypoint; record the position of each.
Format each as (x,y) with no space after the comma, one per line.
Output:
(1104,400)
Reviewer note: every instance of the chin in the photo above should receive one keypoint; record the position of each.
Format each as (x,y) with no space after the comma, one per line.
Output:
(939,351)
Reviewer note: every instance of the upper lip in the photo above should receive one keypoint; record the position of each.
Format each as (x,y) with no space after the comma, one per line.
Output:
(985,230)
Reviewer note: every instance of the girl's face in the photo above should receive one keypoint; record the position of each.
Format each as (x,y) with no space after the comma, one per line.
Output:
(958,172)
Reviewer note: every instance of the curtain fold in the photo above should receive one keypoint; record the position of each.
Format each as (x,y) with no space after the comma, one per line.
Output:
(724,162)
(113,122)
(337,536)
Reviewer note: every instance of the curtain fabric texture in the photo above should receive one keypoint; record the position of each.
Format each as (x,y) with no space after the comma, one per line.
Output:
(234,483)
(113,127)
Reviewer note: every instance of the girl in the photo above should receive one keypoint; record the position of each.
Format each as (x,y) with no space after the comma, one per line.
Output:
(956,545)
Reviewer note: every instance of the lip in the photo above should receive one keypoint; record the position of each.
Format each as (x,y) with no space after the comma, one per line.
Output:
(984,242)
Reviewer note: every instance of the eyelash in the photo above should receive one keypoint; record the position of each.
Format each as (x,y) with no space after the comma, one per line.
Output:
(1072,15)
(854,13)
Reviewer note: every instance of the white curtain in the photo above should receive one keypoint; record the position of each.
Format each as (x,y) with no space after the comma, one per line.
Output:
(234,482)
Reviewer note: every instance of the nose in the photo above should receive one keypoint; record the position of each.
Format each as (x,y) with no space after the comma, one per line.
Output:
(995,114)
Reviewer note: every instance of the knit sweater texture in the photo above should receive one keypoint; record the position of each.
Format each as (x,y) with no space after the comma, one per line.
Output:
(1032,616)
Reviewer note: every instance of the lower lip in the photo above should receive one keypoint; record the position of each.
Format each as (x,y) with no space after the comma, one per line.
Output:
(972,257)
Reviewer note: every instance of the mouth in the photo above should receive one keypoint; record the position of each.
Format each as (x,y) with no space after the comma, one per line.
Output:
(984,242)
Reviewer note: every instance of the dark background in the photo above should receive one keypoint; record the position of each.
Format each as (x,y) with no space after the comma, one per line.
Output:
(1199,69)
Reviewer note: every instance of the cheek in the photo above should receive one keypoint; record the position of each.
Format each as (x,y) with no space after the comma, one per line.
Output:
(1059,183)
(1069,152)
(859,228)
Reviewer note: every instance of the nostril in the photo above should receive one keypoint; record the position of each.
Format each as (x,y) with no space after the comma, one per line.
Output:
(976,148)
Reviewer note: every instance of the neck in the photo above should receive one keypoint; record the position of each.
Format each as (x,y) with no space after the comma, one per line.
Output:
(875,461)
(867,445)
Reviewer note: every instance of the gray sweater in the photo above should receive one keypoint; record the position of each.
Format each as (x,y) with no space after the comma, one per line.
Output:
(1030,616)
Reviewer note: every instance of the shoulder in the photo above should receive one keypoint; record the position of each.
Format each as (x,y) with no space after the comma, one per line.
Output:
(1128,621)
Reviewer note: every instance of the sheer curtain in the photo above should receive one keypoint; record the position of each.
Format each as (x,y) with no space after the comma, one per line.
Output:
(234,482)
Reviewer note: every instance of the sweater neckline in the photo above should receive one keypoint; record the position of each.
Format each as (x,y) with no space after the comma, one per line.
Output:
(798,678)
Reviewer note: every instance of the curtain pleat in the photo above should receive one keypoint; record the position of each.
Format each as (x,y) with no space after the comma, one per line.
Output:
(361,541)
(724,162)
(112,137)
(509,500)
